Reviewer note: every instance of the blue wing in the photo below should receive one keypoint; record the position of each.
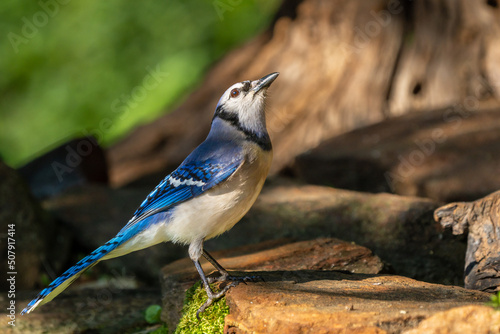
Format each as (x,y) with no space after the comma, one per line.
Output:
(189,180)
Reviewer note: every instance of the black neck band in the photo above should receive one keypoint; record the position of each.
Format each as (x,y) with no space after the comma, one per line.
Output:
(262,140)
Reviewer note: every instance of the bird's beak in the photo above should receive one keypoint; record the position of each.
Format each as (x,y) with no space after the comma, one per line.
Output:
(264,82)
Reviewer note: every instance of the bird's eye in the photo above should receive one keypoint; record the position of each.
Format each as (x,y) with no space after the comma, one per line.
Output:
(235,92)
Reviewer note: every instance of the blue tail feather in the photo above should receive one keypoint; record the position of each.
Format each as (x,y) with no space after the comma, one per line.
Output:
(73,273)
(101,253)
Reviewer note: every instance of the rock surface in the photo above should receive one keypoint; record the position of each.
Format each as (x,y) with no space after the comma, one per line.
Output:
(319,254)
(481,219)
(334,302)
(466,319)
(428,154)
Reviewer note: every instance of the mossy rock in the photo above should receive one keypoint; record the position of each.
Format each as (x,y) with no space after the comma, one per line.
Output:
(211,320)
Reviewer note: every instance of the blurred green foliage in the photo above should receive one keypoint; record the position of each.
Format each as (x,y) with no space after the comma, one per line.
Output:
(72,68)
(495,301)
(153,314)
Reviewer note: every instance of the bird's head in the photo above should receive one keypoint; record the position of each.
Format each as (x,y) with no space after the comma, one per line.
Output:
(242,104)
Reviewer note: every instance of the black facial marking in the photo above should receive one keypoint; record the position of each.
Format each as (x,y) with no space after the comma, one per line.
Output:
(262,140)
(246,86)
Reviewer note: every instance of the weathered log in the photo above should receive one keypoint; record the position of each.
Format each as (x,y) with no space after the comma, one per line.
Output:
(481,219)
(344,65)
(426,154)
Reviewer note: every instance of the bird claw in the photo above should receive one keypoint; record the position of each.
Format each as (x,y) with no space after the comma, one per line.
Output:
(213,297)
(235,280)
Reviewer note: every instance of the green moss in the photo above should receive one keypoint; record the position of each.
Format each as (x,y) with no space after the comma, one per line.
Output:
(211,321)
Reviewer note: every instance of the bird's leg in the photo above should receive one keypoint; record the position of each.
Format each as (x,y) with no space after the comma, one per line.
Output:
(224,275)
(195,252)
(223,272)
(210,294)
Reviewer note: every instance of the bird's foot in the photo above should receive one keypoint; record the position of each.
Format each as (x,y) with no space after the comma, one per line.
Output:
(213,297)
(234,281)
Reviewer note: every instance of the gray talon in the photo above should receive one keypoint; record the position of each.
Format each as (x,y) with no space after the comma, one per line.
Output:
(213,297)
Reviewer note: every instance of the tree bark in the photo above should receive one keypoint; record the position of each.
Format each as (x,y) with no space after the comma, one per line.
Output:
(482,221)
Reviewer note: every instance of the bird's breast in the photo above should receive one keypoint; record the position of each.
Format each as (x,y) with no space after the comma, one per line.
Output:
(221,207)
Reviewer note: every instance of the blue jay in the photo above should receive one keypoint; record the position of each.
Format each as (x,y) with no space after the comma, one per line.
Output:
(205,196)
